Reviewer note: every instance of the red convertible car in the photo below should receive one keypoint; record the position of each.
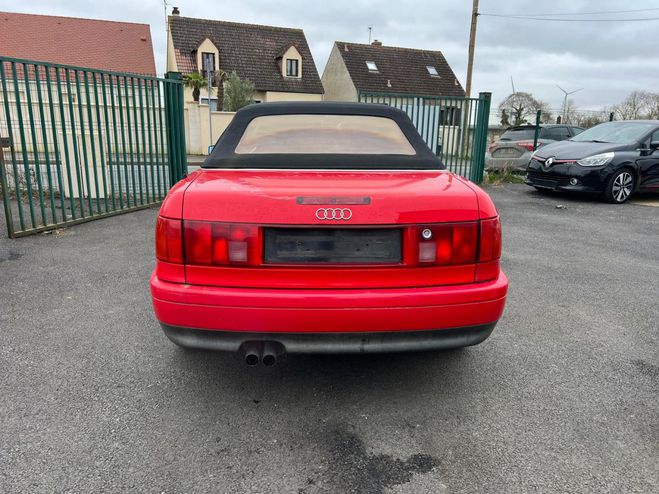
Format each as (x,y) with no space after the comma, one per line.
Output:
(326,227)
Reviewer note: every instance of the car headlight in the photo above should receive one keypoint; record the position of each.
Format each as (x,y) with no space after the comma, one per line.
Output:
(597,159)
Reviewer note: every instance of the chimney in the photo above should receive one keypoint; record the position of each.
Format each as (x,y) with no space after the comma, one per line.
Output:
(176,11)
(376,43)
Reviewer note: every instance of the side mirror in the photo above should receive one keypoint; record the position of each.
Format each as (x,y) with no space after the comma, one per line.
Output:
(648,150)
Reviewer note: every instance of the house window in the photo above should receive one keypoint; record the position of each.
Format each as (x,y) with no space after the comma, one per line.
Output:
(207,62)
(371,66)
(432,71)
(292,67)
(204,101)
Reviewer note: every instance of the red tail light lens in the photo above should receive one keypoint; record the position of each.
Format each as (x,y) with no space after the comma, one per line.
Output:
(220,244)
(169,240)
(447,244)
(453,244)
(490,241)
(528,145)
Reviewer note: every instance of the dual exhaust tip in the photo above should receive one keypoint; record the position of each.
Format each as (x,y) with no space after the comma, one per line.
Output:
(267,352)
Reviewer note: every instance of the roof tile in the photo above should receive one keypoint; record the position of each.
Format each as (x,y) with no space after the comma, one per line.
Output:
(90,43)
(249,49)
(400,70)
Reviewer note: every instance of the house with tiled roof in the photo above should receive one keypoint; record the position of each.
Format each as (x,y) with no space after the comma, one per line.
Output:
(89,43)
(354,69)
(277,60)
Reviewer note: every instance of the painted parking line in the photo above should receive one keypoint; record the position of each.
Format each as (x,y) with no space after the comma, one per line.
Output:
(647,202)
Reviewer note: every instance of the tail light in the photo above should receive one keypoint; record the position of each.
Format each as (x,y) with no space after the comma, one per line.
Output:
(206,243)
(169,240)
(231,244)
(491,147)
(220,244)
(452,244)
(528,145)
(447,244)
(490,240)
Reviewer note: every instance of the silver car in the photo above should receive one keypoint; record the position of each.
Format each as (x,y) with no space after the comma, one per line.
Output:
(515,146)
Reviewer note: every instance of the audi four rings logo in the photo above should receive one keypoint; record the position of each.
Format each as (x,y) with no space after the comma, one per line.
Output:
(334,214)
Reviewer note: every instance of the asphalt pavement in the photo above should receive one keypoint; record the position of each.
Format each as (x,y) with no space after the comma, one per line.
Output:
(563,397)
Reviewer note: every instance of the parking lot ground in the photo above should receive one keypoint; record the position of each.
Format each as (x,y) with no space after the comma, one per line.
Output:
(649,200)
(563,397)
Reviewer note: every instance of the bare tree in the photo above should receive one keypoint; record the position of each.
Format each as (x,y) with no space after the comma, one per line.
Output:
(521,107)
(637,105)
(652,106)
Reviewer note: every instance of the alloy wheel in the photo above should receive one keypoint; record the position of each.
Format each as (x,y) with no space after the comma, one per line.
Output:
(622,186)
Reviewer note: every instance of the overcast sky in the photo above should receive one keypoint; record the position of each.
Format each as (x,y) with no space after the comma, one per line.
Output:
(606,59)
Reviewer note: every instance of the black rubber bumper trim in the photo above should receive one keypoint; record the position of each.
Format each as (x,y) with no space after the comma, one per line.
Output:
(374,342)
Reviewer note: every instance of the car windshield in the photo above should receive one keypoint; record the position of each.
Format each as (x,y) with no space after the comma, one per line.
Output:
(615,132)
(324,134)
(522,134)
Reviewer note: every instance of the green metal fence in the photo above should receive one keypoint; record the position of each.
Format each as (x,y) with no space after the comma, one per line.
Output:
(77,144)
(454,128)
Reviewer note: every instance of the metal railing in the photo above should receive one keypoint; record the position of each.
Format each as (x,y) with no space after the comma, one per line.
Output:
(454,128)
(80,143)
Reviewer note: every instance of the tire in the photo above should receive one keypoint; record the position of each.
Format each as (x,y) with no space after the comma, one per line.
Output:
(620,187)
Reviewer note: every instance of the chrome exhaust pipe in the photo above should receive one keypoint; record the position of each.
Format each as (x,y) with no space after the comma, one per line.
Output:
(253,352)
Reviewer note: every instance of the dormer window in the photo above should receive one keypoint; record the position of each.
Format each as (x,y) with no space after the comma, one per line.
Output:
(207,63)
(432,71)
(292,67)
(371,66)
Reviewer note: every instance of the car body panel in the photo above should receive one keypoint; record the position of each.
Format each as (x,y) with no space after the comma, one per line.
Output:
(271,196)
(310,311)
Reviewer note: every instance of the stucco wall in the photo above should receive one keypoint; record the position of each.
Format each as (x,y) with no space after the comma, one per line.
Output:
(282,96)
(336,80)
(197,134)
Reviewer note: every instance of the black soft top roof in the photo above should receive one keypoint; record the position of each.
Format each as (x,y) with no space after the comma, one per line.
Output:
(224,156)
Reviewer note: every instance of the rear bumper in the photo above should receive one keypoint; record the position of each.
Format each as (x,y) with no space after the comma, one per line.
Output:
(492,163)
(373,342)
(323,314)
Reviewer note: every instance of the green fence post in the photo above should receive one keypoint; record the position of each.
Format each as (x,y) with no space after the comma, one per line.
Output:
(5,142)
(180,121)
(175,126)
(482,123)
(536,131)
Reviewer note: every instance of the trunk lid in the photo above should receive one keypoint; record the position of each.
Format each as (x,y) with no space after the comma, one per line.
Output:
(288,197)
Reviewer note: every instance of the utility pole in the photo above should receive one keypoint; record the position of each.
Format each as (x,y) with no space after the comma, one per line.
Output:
(567,93)
(472,41)
(209,74)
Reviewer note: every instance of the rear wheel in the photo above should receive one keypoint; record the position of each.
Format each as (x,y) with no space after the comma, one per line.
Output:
(620,186)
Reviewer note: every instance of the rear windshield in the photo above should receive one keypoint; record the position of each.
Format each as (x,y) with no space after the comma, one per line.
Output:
(518,134)
(323,134)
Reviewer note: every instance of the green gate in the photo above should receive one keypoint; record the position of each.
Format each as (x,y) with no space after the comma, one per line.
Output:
(454,128)
(78,144)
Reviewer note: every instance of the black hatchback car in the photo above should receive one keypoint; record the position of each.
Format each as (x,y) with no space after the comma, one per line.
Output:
(613,159)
